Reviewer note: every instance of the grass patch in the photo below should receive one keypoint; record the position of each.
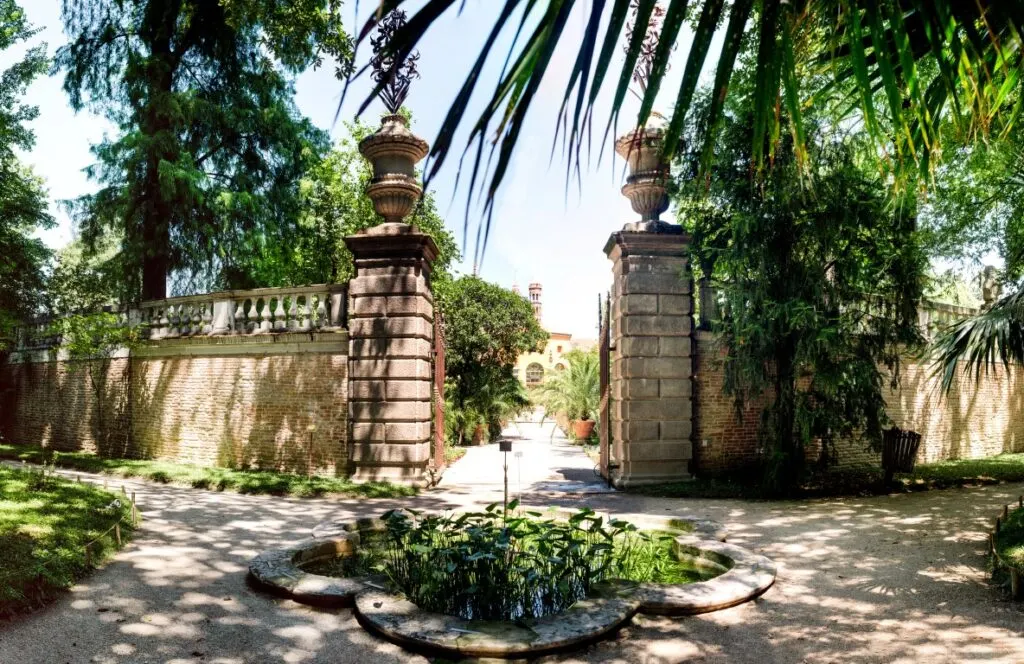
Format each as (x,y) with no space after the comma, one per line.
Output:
(214,479)
(1001,468)
(453,453)
(858,481)
(1010,540)
(45,523)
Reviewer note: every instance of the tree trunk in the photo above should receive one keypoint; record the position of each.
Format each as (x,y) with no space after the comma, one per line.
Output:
(158,127)
(789,457)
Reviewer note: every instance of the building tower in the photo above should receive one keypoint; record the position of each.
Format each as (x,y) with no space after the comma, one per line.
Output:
(535,290)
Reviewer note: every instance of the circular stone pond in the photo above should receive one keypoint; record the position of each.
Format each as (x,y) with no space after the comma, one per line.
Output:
(335,569)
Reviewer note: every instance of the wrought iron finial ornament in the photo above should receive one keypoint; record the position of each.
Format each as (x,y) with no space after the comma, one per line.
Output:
(395,75)
(645,59)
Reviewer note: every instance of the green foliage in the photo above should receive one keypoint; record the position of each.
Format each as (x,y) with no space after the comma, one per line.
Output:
(214,479)
(334,205)
(45,523)
(211,148)
(896,67)
(977,345)
(1010,545)
(486,329)
(821,274)
(976,204)
(23,200)
(575,392)
(484,408)
(83,280)
(493,565)
(94,336)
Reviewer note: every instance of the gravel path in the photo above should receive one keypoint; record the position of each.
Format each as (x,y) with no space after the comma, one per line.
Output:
(887,579)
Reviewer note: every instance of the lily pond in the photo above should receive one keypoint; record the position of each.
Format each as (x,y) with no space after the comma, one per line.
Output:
(498,565)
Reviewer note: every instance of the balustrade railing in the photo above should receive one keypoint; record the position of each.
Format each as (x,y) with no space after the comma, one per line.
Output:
(250,312)
(260,311)
(933,317)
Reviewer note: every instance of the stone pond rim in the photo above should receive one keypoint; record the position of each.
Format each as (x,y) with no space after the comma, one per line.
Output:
(745,576)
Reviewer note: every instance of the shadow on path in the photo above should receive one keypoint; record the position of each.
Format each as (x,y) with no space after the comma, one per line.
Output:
(884,579)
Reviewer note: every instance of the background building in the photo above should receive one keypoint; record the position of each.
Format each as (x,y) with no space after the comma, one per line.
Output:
(531,368)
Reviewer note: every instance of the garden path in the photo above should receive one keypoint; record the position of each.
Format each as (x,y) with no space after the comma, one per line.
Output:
(542,460)
(885,579)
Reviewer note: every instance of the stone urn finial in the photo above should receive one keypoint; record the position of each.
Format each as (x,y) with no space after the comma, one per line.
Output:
(646,184)
(394,151)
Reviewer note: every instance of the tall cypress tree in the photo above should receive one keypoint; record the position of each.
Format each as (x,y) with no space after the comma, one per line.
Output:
(211,146)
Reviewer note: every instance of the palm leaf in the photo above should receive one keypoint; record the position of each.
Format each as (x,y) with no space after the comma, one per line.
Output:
(872,48)
(978,345)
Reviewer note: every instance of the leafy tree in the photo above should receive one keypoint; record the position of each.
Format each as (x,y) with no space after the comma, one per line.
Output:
(821,280)
(486,328)
(485,408)
(23,200)
(211,146)
(84,281)
(333,205)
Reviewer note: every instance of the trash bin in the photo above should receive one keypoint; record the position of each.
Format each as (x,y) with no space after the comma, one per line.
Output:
(899,451)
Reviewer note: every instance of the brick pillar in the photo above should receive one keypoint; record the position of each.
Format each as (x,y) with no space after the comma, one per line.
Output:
(652,368)
(391,332)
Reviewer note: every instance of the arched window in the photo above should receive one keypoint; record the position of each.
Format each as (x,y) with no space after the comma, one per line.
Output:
(559,367)
(534,374)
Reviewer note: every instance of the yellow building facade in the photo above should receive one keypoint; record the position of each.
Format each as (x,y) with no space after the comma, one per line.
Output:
(532,368)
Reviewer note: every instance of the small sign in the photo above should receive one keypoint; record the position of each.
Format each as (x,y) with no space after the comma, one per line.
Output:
(505,445)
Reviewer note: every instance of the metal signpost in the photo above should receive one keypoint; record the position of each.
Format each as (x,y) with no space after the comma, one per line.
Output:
(505,446)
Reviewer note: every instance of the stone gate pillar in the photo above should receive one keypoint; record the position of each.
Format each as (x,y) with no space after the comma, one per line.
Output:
(652,368)
(391,314)
(391,317)
(652,322)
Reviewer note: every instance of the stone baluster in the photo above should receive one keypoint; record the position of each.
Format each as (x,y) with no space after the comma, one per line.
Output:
(279,315)
(305,312)
(164,323)
(240,321)
(197,319)
(321,311)
(208,308)
(265,316)
(293,313)
(173,318)
(187,328)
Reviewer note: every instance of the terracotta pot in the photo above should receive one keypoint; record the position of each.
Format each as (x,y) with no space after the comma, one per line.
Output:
(583,429)
(478,436)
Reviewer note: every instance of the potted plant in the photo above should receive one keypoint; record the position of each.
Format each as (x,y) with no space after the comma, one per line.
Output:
(574,393)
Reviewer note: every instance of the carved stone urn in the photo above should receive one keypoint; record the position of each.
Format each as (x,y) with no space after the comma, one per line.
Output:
(394,151)
(646,184)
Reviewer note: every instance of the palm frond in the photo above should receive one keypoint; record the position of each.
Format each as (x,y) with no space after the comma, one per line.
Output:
(975,346)
(922,60)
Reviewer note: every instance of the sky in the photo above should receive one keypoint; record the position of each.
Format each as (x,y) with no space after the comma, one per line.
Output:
(545,229)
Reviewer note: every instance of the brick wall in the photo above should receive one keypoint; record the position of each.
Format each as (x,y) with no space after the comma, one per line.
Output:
(974,420)
(276,402)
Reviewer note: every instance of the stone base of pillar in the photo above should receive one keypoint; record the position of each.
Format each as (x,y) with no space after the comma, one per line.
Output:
(665,472)
(391,314)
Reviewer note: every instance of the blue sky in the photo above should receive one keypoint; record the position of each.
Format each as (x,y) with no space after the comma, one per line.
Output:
(545,229)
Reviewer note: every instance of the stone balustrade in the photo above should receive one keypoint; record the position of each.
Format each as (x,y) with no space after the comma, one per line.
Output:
(317,308)
(259,311)
(933,317)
